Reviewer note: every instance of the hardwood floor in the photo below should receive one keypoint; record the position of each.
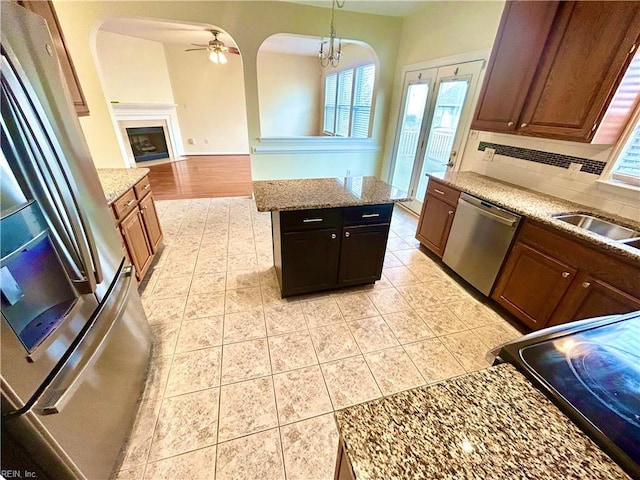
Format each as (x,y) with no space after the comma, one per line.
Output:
(202,176)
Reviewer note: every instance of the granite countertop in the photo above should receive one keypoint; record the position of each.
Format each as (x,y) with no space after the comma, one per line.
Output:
(491,424)
(300,194)
(541,207)
(116,181)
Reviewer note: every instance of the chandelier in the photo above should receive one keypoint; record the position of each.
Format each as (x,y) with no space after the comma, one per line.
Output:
(333,54)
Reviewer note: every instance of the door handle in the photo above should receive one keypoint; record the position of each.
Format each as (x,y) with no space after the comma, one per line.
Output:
(370,215)
(61,396)
(347,234)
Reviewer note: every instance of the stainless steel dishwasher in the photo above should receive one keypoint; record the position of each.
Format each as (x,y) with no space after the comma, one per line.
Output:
(480,237)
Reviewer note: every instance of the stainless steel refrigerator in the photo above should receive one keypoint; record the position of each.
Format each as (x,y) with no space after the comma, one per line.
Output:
(75,339)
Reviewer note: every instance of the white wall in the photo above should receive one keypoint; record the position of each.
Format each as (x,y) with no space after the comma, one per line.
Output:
(579,187)
(289,94)
(134,70)
(249,23)
(211,103)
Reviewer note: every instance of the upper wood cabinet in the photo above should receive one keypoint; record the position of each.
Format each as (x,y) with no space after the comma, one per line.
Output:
(555,67)
(45,9)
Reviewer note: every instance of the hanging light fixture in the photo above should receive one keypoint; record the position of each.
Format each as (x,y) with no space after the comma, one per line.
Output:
(333,53)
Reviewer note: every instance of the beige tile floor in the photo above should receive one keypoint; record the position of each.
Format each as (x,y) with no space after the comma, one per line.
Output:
(242,384)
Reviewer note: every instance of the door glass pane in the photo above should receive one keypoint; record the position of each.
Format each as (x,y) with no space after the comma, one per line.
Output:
(446,117)
(409,135)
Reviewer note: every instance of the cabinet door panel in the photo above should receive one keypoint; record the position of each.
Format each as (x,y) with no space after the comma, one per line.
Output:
(435,223)
(151,222)
(362,254)
(309,260)
(518,46)
(135,239)
(591,297)
(586,56)
(532,285)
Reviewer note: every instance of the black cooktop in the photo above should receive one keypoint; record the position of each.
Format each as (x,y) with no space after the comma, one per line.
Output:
(592,372)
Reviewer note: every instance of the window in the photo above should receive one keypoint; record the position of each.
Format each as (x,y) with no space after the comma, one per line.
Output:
(627,166)
(347,102)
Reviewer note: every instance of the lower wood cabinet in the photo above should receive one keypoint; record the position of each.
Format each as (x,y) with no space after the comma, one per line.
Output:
(362,254)
(550,278)
(137,221)
(320,249)
(310,260)
(532,285)
(437,214)
(136,242)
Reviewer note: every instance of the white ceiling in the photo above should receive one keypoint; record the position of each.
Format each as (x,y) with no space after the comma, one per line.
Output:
(185,34)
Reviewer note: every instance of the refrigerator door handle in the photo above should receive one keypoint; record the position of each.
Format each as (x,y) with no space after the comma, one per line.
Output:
(63,393)
(42,153)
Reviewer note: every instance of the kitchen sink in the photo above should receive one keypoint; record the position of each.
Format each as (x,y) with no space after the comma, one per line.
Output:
(599,226)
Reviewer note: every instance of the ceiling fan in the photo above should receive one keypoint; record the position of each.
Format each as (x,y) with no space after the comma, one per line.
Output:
(216,49)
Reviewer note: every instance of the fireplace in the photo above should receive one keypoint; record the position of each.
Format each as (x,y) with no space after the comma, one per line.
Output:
(148,143)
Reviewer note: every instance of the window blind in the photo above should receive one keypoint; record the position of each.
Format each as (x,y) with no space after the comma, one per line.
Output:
(363,96)
(330,89)
(343,102)
(627,166)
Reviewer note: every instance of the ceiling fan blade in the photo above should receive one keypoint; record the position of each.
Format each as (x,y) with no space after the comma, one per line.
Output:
(233,50)
(199,45)
(194,49)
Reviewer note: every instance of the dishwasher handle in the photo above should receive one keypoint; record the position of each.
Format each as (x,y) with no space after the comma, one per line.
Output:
(484,209)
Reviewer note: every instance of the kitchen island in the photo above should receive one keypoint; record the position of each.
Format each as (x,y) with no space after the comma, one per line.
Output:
(327,232)
(491,424)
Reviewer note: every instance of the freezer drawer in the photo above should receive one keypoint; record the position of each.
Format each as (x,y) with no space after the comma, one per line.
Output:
(87,411)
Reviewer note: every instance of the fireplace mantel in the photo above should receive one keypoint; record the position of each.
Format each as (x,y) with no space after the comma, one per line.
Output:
(143,115)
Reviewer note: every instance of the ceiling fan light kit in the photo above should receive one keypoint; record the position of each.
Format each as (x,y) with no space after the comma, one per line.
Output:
(332,55)
(216,49)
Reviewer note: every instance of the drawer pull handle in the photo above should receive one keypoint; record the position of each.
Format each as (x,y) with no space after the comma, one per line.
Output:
(370,215)
(347,234)
(450,212)
(129,203)
(438,191)
(311,220)
(146,187)
(586,284)
(565,274)
(333,236)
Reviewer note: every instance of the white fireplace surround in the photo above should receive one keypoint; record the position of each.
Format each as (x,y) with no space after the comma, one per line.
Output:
(131,115)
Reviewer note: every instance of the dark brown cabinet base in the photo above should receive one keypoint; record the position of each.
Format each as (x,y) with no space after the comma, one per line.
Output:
(321,249)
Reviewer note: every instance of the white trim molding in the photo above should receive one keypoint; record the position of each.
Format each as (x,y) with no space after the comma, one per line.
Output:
(278,145)
(141,114)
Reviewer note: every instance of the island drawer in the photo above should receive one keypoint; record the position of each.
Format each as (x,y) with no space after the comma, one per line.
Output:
(312,219)
(368,214)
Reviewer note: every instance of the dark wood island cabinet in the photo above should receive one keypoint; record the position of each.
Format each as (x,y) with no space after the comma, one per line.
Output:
(329,232)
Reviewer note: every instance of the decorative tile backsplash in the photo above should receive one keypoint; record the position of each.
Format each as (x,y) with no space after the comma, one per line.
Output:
(555,159)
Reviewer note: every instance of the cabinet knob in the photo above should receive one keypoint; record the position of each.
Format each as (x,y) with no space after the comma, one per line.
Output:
(333,236)
(347,234)
(450,212)
(565,274)
(510,124)
(523,125)
(586,284)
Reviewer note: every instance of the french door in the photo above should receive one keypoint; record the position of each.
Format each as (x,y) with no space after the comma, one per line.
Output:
(435,109)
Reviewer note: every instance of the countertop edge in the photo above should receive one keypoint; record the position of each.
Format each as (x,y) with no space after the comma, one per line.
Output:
(117,181)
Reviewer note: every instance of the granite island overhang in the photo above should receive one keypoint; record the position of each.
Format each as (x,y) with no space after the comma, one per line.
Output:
(327,232)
